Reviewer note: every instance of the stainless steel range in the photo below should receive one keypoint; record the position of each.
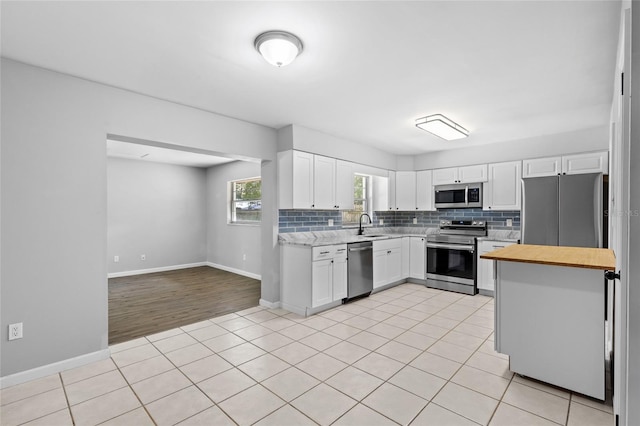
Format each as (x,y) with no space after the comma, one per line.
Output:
(451,259)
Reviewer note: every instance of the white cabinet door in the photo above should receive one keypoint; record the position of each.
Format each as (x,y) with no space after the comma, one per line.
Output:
(405,191)
(471,174)
(392,190)
(339,278)
(380,193)
(424,190)
(466,174)
(445,176)
(406,256)
(394,265)
(538,167)
(324,186)
(302,180)
(503,189)
(418,258)
(485,280)
(379,268)
(344,185)
(591,162)
(321,283)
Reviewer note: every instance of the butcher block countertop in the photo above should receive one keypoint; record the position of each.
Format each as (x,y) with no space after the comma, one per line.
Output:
(577,257)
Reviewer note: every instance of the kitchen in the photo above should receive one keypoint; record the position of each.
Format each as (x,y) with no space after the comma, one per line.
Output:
(88,106)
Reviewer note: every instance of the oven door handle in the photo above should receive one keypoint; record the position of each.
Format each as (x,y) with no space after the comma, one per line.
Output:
(451,247)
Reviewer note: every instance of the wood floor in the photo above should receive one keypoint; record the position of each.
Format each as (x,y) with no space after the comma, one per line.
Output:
(145,304)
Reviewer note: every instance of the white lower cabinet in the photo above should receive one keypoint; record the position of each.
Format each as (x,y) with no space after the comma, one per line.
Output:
(387,262)
(417,258)
(485,276)
(313,278)
(406,256)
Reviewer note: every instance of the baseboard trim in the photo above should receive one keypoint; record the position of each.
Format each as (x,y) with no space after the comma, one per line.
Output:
(159,269)
(269,305)
(56,367)
(235,271)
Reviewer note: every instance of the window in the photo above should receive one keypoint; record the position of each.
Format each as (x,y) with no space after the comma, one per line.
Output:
(246,203)
(361,200)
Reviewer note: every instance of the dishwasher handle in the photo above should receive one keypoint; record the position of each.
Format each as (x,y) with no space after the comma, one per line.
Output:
(361,249)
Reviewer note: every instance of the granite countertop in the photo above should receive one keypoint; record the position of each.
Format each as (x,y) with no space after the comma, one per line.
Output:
(502,235)
(577,257)
(327,238)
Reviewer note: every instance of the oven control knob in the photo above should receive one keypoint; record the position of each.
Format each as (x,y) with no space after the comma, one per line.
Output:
(475,223)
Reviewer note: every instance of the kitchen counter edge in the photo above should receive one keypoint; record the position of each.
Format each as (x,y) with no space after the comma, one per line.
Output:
(576,257)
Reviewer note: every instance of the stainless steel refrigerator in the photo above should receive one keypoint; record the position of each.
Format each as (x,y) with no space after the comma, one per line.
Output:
(564,210)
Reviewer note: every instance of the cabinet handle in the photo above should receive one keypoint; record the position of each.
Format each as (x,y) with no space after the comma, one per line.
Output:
(388,251)
(313,205)
(324,252)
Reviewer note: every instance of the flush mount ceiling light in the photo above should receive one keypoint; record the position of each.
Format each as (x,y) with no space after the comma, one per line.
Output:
(442,127)
(279,48)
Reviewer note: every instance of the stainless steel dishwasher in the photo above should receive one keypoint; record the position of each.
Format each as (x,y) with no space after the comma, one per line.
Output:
(360,267)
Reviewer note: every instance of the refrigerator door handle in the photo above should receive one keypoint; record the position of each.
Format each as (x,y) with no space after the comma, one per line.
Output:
(522,212)
(466,195)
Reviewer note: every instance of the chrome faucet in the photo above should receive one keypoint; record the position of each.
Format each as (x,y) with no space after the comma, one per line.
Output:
(360,230)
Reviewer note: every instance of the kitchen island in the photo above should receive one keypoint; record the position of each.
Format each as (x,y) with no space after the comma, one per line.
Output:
(550,313)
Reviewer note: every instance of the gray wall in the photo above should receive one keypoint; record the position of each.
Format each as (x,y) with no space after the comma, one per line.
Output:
(155,209)
(227,243)
(53,212)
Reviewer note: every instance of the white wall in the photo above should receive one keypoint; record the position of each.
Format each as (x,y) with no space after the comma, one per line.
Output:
(53,217)
(228,243)
(309,140)
(594,139)
(155,209)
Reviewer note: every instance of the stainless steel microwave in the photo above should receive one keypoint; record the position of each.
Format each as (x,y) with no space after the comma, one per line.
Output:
(458,196)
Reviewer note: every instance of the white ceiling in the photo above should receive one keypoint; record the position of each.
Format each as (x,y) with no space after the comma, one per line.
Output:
(504,70)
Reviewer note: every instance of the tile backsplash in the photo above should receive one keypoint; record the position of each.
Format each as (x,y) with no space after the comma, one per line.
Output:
(317,220)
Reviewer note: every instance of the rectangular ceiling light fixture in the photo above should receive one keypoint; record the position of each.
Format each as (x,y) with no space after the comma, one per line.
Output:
(442,127)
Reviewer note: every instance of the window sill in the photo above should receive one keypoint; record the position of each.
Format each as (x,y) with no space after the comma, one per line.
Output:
(256,224)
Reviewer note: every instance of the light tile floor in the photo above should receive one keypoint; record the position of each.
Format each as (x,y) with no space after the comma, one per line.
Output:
(407,355)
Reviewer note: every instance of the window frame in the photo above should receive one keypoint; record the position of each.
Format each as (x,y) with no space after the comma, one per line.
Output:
(368,200)
(232,202)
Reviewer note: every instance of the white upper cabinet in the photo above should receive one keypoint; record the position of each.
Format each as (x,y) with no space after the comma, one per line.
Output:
(466,174)
(324,183)
(590,162)
(503,190)
(413,190)
(445,176)
(424,190)
(380,193)
(308,181)
(391,198)
(295,180)
(538,167)
(344,185)
(405,191)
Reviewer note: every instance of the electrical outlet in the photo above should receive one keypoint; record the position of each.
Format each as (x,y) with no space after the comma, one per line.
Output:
(116,259)
(15,331)
(509,222)
(330,222)
(381,222)
(415,220)
(143,257)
